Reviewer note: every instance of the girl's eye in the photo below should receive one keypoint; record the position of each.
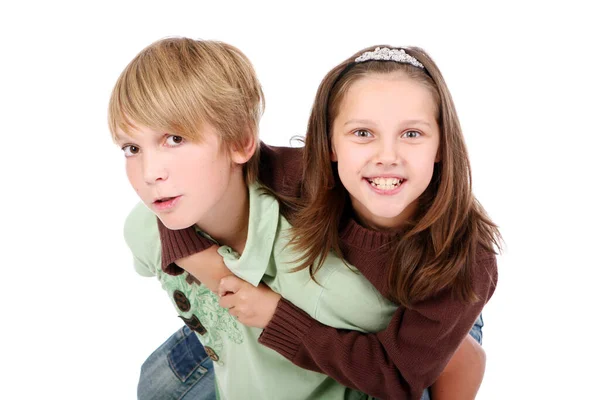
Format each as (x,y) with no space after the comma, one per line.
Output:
(130,150)
(411,134)
(362,133)
(174,140)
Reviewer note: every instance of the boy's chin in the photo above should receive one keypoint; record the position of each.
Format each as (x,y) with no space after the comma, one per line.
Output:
(175,224)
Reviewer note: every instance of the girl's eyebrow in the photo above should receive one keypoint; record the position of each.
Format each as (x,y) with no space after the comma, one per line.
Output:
(358,121)
(417,122)
(409,122)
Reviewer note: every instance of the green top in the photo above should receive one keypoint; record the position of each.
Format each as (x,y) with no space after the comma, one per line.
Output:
(245,369)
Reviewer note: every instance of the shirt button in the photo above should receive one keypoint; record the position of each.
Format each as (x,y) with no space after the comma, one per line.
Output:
(194,324)
(211,353)
(182,302)
(191,280)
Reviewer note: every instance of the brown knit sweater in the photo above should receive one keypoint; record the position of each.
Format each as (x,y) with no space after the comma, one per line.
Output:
(396,363)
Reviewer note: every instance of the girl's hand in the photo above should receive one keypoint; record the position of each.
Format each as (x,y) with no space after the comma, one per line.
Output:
(252,306)
(207,267)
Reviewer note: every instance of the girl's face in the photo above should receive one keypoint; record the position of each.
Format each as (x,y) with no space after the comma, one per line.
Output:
(385,141)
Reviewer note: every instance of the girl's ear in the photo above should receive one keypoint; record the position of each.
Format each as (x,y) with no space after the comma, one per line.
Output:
(438,154)
(332,154)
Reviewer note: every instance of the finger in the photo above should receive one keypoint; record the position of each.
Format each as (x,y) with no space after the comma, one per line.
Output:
(230,283)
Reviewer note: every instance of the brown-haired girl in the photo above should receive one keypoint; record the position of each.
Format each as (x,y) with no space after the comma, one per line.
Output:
(386,185)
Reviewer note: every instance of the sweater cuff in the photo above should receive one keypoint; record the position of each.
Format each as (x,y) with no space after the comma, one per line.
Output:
(286,330)
(176,244)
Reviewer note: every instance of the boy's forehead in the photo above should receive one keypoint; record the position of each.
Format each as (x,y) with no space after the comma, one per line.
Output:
(131,131)
(121,136)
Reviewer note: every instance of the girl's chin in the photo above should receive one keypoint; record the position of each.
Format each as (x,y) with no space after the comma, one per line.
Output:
(390,213)
(382,221)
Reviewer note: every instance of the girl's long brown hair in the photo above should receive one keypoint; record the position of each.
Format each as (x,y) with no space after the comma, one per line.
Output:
(436,250)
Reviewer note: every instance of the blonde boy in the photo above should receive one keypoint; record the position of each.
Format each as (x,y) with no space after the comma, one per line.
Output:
(186,115)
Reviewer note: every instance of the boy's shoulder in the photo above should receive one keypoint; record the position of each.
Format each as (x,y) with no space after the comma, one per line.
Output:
(369,311)
(142,237)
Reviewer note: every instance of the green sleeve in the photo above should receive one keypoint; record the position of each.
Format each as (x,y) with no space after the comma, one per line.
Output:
(141,235)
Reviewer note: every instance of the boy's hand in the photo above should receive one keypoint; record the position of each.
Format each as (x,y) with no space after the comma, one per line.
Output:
(207,267)
(252,306)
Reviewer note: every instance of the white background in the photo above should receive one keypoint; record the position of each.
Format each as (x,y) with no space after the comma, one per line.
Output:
(77,322)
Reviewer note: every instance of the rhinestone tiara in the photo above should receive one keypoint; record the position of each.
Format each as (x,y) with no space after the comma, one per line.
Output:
(385,54)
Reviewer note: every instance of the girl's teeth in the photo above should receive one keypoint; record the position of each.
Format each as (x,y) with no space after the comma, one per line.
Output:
(385,183)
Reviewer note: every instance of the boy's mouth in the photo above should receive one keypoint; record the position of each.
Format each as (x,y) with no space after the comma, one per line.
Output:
(165,203)
(163,199)
(385,183)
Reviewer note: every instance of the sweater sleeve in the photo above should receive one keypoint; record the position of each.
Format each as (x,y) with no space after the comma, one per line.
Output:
(280,169)
(396,363)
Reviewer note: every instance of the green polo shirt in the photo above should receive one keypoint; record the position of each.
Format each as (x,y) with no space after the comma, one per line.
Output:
(245,369)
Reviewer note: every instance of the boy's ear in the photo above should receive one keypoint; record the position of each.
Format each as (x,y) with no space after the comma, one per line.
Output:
(242,155)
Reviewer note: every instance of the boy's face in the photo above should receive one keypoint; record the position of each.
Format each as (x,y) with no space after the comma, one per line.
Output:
(182,182)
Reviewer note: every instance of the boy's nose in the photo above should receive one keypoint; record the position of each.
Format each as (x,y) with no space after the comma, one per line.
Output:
(154,170)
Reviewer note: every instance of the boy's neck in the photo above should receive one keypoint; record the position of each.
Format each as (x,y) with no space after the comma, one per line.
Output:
(229,224)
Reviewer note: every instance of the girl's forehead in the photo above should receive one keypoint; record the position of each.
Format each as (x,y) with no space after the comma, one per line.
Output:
(376,80)
(385,94)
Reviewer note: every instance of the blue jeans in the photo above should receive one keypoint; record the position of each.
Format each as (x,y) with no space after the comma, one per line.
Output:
(180,369)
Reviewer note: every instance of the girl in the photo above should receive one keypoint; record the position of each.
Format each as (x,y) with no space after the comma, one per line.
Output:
(386,184)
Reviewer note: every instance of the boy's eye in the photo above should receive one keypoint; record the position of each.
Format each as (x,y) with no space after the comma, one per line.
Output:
(411,134)
(130,150)
(174,140)
(362,133)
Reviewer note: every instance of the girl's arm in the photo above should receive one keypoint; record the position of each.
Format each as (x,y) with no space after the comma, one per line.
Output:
(399,362)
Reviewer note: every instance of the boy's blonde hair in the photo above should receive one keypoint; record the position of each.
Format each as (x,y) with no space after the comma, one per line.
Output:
(179,84)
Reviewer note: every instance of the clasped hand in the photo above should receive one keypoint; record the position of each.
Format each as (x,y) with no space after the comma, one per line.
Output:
(252,306)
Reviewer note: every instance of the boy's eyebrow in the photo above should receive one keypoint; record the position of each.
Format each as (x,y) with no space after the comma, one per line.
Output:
(120,137)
